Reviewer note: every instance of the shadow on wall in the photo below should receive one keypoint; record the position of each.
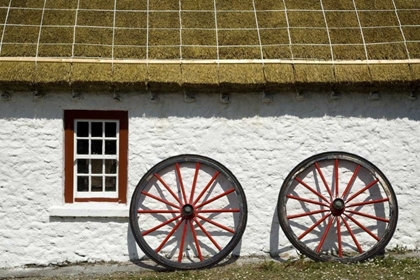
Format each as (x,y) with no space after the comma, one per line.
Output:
(308,105)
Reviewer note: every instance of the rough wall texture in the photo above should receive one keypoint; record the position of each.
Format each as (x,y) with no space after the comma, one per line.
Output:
(259,142)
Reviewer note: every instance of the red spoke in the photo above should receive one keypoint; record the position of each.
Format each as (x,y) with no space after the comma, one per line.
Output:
(167,237)
(157,211)
(208,186)
(168,188)
(313,226)
(350,184)
(359,248)
(219,210)
(324,236)
(197,245)
(181,247)
(368,202)
(336,177)
(159,199)
(362,190)
(311,189)
(306,214)
(216,198)
(208,235)
(181,183)
(323,178)
(306,200)
(197,168)
(216,224)
(340,248)
(161,225)
(363,227)
(368,216)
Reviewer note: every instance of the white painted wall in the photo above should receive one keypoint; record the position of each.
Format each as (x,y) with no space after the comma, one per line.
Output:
(259,142)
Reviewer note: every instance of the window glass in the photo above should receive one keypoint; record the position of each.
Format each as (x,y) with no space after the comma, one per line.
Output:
(82,166)
(110,147)
(96,147)
(110,166)
(96,129)
(96,184)
(110,184)
(82,129)
(82,147)
(97,166)
(82,184)
(110,129)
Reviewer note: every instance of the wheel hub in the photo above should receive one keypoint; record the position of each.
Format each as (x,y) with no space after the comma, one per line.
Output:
(187,211)
(337,207)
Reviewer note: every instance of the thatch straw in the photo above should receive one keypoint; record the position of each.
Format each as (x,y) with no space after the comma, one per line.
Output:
(200,77)
(131,5)
(338,5)
(53,76)
(97,4)
(21,34)
(241,78)
(342,19)
(59,4)
(308,73)
(308,4)
(237,39)
(27,4)
(278,76)
(25,17)
(54,51)
(17,75)
(199,52)
(197,5)
(375,5)
(311,52)
(18,50)
(236,20)
(95,18)
(390,73)
(415,72)
(306,19)
(92,51)
(128,77)
(352,74)
(163,5)
(387,51)
(277,52)
(414,49)
(91,77)
(355,52)
(49,35)
(130,53)
(131,19)
(164,77)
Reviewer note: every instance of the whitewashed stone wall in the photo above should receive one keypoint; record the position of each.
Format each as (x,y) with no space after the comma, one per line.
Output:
(259,142)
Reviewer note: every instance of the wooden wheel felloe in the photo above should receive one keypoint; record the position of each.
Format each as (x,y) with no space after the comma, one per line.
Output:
(337,206)
(188,212)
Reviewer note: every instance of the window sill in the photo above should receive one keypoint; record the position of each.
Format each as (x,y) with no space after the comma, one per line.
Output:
(101,210)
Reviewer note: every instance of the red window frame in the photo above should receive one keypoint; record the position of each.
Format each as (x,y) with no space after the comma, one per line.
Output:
(69,117)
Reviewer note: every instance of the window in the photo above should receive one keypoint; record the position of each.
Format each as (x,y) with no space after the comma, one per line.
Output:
(96,145)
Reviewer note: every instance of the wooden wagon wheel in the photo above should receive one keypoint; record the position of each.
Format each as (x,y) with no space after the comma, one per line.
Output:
(188,212)
(337,206)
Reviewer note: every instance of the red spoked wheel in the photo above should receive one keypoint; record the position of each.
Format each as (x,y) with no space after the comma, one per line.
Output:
(337,206)
(188,212)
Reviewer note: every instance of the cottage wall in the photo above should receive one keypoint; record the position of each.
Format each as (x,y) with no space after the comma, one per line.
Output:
(259,142)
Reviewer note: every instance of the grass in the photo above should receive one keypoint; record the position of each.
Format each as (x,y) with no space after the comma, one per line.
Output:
(389,267)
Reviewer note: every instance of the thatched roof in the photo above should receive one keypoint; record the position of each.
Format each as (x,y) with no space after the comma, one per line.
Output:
(215,45)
